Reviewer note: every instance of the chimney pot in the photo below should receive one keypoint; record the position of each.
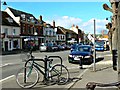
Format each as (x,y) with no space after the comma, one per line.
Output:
(40,18)
(77,27)
(53,24)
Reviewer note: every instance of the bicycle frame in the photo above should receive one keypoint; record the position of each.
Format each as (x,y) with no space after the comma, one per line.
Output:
(46,69)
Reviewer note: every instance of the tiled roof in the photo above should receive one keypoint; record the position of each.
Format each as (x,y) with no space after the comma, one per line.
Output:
(18,13)
(67,30)
(5,20)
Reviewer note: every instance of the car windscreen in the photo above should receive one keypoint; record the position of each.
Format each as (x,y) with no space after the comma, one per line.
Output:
(99,42)
(83,49)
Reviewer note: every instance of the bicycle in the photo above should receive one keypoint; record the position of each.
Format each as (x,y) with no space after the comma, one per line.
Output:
(28,76)
(92,85)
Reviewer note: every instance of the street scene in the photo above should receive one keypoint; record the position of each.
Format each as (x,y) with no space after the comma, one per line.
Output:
(58,45)
(9,69)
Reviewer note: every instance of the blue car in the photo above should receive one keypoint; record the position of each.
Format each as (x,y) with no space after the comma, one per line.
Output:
(82,53)
(99,45)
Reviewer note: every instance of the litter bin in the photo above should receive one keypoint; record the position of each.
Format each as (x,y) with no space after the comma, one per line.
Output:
(114,58)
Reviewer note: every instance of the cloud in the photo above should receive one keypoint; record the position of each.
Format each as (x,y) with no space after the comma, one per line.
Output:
(65,21)
(88,26)
(99,25)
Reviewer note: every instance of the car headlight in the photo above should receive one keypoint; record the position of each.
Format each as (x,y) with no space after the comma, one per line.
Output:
(87,56)
(70,55)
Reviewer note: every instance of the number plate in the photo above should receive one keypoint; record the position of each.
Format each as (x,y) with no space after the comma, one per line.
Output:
(76,58)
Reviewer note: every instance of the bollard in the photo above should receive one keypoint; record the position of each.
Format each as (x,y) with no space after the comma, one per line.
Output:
(114,58)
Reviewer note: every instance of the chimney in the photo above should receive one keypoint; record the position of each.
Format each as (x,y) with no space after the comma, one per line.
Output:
(53,24)
(76,26)
(40,18)
(73,25)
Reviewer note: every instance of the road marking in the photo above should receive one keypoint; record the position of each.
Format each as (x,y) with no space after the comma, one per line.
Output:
(3,65)
(105,62)
(7,78)
(69,86)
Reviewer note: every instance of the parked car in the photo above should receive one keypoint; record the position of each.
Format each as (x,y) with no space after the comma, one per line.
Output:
(99,45)
(49,47)
(52,47)
(82,53)
(60,47)
(73,47)
(43,47)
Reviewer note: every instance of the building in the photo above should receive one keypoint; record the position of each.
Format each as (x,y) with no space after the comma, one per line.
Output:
(49,33)
(10,33)
(66,36)
(61,35)
(79,32)
(30,27)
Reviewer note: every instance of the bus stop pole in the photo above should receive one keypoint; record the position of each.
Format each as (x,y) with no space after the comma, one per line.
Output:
(94,65)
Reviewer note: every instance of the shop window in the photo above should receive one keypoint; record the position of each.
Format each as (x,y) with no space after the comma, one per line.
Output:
(15,44)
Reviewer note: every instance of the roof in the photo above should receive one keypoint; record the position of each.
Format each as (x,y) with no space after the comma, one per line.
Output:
(7,20)
(67,30)
(18,13)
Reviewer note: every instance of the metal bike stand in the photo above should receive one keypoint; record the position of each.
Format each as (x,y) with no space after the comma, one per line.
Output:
(46,69)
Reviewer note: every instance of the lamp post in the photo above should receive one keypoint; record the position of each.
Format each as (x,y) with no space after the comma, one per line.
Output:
(94,65)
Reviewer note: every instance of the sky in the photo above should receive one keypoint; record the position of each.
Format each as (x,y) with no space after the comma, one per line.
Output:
(67,13)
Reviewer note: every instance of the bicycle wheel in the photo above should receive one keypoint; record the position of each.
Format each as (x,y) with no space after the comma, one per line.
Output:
(30,79)
(60,74)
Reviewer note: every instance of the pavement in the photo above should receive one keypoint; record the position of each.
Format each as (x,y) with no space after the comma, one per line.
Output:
(10,52)
(104,73)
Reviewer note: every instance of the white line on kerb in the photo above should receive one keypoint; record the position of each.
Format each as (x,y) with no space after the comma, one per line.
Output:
(7,78)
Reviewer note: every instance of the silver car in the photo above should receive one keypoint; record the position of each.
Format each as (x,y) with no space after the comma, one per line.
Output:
(43,47)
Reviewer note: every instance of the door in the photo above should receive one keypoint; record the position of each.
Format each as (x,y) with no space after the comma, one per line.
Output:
(6,45)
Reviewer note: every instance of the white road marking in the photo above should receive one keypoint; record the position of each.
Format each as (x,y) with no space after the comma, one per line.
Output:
(105,62)
(7,78)
(3,65)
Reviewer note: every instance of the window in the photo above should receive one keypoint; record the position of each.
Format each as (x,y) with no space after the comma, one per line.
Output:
(58,37)
(6,31)
(23,16)
(63,37)
(23,29)
(37,30)
(15,43)
(53,33)
(50,32)
(14,32)
(46,32)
